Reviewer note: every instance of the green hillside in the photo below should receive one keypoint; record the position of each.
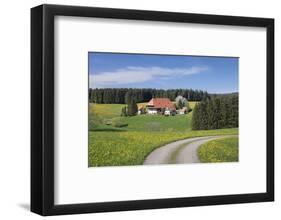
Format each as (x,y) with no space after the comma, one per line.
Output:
(115,140)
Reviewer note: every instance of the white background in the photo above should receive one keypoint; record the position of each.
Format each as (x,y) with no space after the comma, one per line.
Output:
(76,183)
(15,94)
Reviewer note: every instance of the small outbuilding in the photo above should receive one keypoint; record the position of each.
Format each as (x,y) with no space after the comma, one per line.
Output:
(183,111)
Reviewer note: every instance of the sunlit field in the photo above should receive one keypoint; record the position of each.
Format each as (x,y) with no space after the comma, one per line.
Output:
(115,140)
(221,150)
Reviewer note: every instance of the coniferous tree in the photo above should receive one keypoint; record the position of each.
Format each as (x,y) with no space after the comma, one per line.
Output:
(225,113)
(130,99)
(211,114)
(216,112)
(195,123)
(117,95)
(203,116)
(124,112)
(132,108)
(233,119)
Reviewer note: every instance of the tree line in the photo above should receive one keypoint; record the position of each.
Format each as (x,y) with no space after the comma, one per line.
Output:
(216,112)
(118,95)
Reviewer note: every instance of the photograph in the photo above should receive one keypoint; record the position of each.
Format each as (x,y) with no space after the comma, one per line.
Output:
(148,109)
(135,109)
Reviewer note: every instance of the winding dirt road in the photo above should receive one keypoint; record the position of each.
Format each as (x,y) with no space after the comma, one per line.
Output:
(179,152)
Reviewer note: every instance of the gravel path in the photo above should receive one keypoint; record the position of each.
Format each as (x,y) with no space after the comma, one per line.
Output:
(179,152)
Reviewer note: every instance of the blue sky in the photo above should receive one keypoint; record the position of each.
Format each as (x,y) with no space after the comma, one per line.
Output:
(116,70)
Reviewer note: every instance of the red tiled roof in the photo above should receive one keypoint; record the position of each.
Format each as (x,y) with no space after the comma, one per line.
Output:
(160,103)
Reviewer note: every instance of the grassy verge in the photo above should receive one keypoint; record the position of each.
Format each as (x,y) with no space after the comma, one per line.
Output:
(117,148)
(221,150)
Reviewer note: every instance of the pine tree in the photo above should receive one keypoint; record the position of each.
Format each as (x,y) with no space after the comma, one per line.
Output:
(132,108)
(124,112)
(216,112)
(195,123)
(233,118)
(117,95)
(203,116)
(211,114)
(225,111)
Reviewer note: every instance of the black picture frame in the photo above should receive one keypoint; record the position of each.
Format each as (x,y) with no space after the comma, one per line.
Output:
(42,109)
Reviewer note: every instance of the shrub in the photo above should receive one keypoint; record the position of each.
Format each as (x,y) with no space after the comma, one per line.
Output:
(95,121)
(119,124)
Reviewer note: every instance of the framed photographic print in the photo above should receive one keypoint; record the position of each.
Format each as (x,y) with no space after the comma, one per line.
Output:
(136,109)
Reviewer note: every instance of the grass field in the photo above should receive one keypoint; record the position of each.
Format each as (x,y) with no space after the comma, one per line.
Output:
(131,147)
(115,140)
(107,118)
(107,111)
(157,123)
(221,150)
(192,104)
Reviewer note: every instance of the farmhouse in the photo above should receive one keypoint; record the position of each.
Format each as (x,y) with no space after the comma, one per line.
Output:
(159,105)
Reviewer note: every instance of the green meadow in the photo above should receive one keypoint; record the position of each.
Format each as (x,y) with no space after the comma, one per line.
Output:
(116,140)
(221,150)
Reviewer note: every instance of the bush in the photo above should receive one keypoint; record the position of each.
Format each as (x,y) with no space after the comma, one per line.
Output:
(94,121)
(119,124)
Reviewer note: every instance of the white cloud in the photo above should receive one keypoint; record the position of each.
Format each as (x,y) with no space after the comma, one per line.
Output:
(136,74)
